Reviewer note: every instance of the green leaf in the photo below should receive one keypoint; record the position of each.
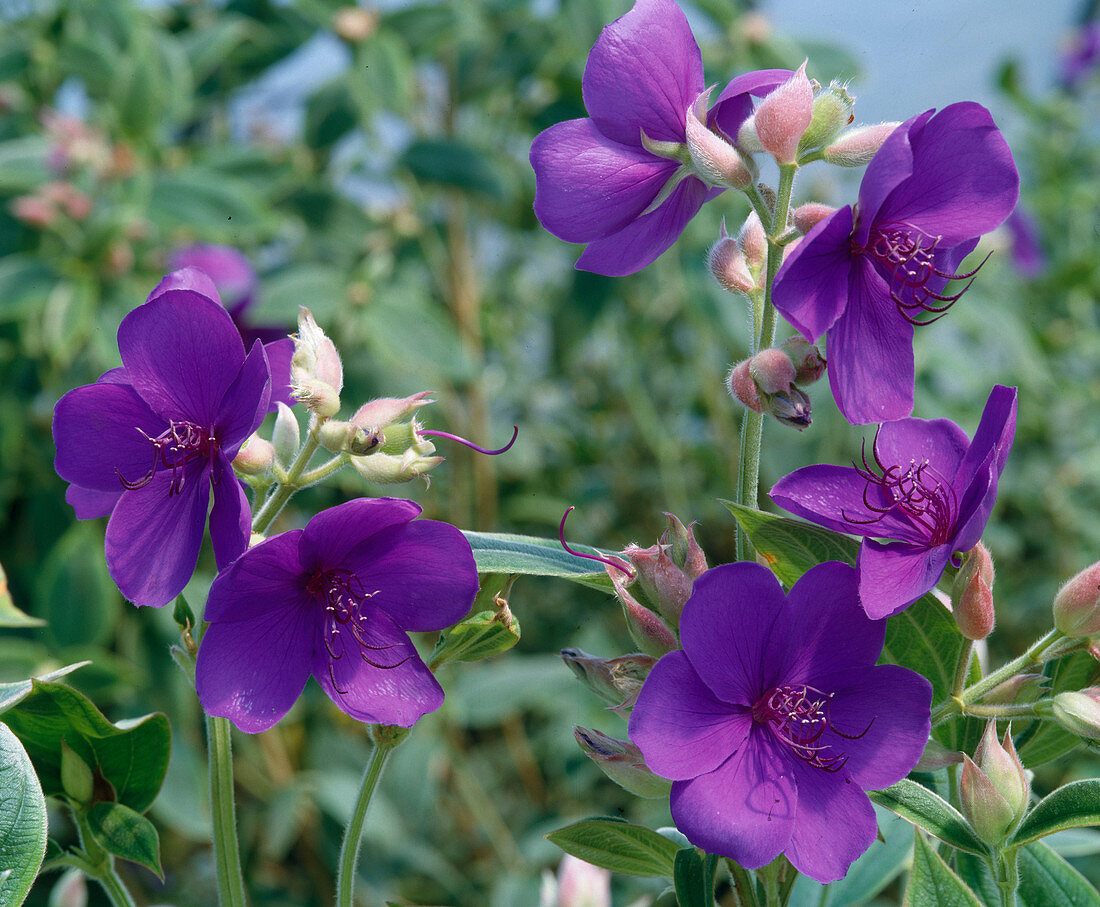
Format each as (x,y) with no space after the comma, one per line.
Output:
(23,165)
(454,165)
(217,207)
(689,877)
(12,693)
(11,616)
(126,834)
(619,846)
(75,592)
(498,552)
(25,284)
(1046,879)
(22,820)
(484,633)
(330,115)
(932,882)
(1072,806)
(931,812)
(131,755)
(321,288)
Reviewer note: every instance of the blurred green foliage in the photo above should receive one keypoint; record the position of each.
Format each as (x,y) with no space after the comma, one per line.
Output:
(373,165)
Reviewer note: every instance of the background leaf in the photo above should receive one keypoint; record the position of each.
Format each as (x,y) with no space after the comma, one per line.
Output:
(618,846)
(932,883)
(1074,805)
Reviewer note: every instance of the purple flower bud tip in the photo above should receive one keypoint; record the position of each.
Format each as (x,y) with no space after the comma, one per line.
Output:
(774,719)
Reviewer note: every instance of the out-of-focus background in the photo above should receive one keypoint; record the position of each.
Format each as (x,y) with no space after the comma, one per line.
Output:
(371,163)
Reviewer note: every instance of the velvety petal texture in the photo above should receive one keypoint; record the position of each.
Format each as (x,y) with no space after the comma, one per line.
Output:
(924,489)
(148,442)
(938,183)
(786,771)
(342,593)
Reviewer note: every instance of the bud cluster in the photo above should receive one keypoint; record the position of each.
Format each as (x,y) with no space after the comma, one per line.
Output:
(768,382)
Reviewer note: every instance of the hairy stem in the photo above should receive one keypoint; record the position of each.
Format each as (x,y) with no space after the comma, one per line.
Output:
(98,864)
(227,855)
(284,491)
(962,667)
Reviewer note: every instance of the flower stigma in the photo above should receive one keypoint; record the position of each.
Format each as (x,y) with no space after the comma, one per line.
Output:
(798,716)
(175,447)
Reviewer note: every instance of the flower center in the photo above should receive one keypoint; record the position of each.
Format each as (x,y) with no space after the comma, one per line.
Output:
(919,491)
(347,620)
(908,256)
(175,447)
(798,716)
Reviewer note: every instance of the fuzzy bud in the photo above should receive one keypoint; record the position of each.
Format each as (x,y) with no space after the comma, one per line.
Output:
(772,370)
(615,680)
(972,594)
(832,111)
(728,265)
(857,146)
(623,763)
(1079,712)
(742,388)
(993,787)
(663,583)
(317,374)
(651,634)
(806,217)
(578,884)
(747,139)
(1021,688)
(285,436)
(389,469)
(792,408)
(753,241)
(784,115)
(354,24)
(771,374)
(384,411)
(809,364)
(338,436)
(255,457)
(1077,604)
(682,547)
(715,161)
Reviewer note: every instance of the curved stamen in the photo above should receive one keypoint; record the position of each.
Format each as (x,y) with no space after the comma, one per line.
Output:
(174,448)
(610,562)
(798,716)
(471,444)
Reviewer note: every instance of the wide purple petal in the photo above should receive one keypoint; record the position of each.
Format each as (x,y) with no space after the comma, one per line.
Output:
(393,687)
(883,714)
(153,537)
(745,809)
(725,630)
(421,574)
(996,430)
(642,241)
(252,671)
(837,497)
(679,725)
(964,181)
(102,431)
(245,403)
(832,631)
(90,504)
(870,350)
(588,186)
(835,824)
(228,268)
(264,579)
(733,106)
(332,534)
(187,278)
(230,517)
(893,575)
(643,72)
(811,288)
(940,442)
(182,352)
(279,353)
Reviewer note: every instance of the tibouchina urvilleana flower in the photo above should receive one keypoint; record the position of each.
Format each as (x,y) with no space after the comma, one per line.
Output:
(774,719)
(926,487)
(337,600)
(865,276)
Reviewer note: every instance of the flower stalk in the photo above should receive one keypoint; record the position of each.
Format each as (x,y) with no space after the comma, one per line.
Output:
(98,864)
(227,855)
(284,490)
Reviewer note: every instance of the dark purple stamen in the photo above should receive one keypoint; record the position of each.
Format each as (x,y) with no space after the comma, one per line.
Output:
(471,444)
(174,448)
(344,600)
(909,254)
(798,716)
(920,492)
(610,562)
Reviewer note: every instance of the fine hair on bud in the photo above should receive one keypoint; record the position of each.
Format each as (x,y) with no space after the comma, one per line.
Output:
(742,388)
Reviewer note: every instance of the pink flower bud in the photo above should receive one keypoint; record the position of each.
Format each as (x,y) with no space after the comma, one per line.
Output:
(806,217)
(1021,688)
(387,410)
(578,884)
(615,680)
(315,357)
(972,594)
(809,364)
(716,161)
(354,24)
(34,210)
(728,265)
(682,547)
(783,116)
(1077,604)
(651,634)
(856,147)
(623,763)
(772,370)
(1079,712)
(255,457)
(753,241)
(993,788)
(742,388)
(663,583)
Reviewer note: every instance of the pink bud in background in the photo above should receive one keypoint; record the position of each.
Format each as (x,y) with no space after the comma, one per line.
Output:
(783,116)
(727,263)
(856,147)
(806,217)
(1077,604)
(651,634)
(386,410)
(578,884)
(772,370)
(742,388)
(809,364)
(753,241)
(34,210)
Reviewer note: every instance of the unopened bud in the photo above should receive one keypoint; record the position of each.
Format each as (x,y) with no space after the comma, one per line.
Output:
(388,469)
(784,115)
(715,161)
(832,111)
(623,763)
(384,411)
(1077,604)
(70,890)
(936,756)
(317,374)
(1021,688)
(615,680)
(809,364)
(742,388)
(972,594)
(338,436)
(806,217)
(77,779)
(663,583)
(728,265)
(578,884)
(34,210)
(318,397)
(856,147)
(1079,712)
(753,241)
(354,24)
(682,547)
(993,787)
(284,436)
(791,408)
(772,370)
(747,139)
(255,457)
(651,634)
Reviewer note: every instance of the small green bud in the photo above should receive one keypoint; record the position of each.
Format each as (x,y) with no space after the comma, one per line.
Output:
(77,779)
(832,110)
(623,763)
(285,436)
(993,788)
(255,457)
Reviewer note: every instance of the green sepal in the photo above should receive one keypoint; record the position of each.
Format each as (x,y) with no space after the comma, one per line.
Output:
(484,633)
(619,846)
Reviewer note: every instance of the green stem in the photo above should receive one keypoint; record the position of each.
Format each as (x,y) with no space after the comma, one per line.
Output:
(1007,874)
(386,740)
(742,884)
(227,857)
(962,667)
(283,492)
(98,864)
(322,472)
(1015,710)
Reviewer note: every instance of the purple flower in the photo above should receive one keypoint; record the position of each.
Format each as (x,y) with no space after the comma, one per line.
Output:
(773,720)
(337,600)
(149,441)
(867,276)
(928,487)
(596,182)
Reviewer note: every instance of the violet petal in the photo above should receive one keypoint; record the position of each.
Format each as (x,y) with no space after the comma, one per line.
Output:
(268,580)
(893,575)
(332,534)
